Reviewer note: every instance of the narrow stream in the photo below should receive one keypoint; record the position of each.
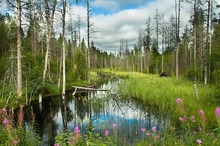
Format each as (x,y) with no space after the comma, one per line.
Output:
(102,108)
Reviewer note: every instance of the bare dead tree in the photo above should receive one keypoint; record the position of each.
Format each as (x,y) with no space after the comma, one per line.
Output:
(63,46)
(50,8)
(177,11)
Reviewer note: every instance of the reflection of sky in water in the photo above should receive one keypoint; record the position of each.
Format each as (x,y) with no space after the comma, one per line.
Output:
(128,116)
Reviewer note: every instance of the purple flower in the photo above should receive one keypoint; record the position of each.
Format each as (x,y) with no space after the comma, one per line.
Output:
(3,109)
(201,112)
(217,112)
(179,101)
(199,141)
(192,118)
(143,129)
(5,121)
(76,130)
(56,144)
(154,129)
(106,133)
(114,126)
(181,119)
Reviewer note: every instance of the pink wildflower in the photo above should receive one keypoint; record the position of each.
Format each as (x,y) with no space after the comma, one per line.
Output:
(56,144)
(199,141)
(192,118)
(217,112)
(154,129)
(181,119)
(5,121)
(106,133)
(179,101)
(76,130)
(3,109)
(114,126)
(201,112)
(143,129)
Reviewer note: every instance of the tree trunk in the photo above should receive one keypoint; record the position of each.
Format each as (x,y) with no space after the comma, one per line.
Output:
(207,45)
(195,40)
(177,37)
(63,48)
(49,22)
(19,69)
(88,39)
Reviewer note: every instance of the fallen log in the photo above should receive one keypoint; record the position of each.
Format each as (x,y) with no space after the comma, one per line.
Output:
(87,89)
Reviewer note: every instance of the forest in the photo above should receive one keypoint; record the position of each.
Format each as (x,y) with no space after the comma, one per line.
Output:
(33,58)
(39,58)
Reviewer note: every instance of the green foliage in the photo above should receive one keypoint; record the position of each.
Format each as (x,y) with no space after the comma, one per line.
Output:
(162,93)
(80,65)
(66,138)
(16,134)
(187,133)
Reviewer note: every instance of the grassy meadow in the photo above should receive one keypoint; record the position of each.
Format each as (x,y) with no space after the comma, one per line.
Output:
(195,120)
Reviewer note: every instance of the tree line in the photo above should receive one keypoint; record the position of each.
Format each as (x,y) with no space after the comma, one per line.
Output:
(33,58)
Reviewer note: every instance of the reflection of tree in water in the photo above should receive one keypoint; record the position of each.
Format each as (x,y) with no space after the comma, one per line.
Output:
(82,104)
(45,124)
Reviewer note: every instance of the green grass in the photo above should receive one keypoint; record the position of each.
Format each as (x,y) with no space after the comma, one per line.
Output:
(163,92)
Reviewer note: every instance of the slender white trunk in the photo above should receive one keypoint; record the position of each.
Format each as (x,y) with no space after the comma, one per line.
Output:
(19,69)
(63,49)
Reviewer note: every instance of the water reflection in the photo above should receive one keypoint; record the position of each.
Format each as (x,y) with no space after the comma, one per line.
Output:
(99,109)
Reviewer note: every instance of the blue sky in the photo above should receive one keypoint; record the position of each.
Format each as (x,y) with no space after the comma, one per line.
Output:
(121,19)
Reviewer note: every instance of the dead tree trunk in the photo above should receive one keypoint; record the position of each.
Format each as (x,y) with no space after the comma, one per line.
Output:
(19,69)
(63,47)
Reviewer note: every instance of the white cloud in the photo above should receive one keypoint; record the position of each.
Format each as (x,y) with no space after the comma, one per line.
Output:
(121,23)
(3,6)
(126,23)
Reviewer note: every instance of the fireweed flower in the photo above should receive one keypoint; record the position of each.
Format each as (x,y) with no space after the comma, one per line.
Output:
(181,119)
(201,112)
(114,126)
(202,116)
(154,129)
(106,133)
(56,144)
(217,112)
(179,101)
(143,129)
(5,121)
(192,118)
(199,141)
(3,109)
(76,130)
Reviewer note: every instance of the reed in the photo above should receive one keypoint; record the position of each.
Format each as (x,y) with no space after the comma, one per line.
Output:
(163,92)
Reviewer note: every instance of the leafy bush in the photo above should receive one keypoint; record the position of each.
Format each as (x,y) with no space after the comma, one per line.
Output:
(16,133)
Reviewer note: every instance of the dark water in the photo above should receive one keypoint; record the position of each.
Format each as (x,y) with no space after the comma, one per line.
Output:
(100,107)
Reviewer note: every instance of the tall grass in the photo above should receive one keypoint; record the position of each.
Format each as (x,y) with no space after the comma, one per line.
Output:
(163,92)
